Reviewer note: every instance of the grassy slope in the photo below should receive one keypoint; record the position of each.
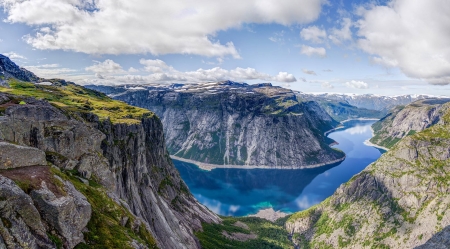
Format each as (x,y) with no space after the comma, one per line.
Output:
(73,98)
(270,235)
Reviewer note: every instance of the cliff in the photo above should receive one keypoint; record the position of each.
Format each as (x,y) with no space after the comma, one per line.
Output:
(400,201)
(407,120)
(229,123)
(80,169)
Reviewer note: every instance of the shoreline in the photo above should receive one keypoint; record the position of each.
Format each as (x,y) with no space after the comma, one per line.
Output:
(209,167)
(269,214)
(350,119)
(368,143)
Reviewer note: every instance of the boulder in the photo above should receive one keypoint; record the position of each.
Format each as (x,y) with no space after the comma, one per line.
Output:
(68,214)
(15,156)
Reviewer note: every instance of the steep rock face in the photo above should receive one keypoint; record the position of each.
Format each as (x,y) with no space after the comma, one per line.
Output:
(130,160)
(400,201)
(229,123)
(407,120)
(147,180)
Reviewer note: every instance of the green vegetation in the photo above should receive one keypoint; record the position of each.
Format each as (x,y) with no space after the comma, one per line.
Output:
(73,98)
(105,229)
(269,235)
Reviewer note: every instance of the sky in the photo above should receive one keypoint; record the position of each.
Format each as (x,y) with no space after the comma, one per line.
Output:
(379,47)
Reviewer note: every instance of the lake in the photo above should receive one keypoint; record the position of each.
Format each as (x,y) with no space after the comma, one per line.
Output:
(239,192)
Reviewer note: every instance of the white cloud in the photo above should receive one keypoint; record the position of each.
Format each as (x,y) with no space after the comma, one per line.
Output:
(154,66)
(309,51)
(160,72)
(106,67)
(357,84)
(313,34)
(284,77)
(157,27)
(327,85)
(14,56)
(311,72)
(338,36)
(410,34)
(132,70)
(50,70)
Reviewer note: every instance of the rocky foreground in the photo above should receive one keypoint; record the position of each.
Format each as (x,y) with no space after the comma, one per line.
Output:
(80,169)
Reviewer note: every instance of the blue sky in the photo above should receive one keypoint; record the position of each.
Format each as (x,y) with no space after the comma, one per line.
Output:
(381,47)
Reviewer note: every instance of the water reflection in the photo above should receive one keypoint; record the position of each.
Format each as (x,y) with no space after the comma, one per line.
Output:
(240,192)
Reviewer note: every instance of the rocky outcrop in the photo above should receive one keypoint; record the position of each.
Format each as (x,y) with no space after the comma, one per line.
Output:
(69,214)
(29,156)
(407,120)
(230,123)
(21,225)
(400,201)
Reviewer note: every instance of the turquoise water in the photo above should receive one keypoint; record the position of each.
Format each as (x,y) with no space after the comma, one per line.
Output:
(239,192)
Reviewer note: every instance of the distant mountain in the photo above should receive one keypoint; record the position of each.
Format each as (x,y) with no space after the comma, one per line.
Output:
(229,123)
(372,102)
(341,110)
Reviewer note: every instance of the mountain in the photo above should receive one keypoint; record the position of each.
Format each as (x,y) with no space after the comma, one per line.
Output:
(9,69)
(78,169)
(341,110)
(400,201)
(228,123)
(407,120)
(371,101)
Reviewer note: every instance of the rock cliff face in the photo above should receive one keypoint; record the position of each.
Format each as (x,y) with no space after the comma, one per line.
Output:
(400,201)
(229,123)
(407,120)
(68,175)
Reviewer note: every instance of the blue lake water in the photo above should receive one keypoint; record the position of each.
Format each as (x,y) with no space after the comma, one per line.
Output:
(239,192)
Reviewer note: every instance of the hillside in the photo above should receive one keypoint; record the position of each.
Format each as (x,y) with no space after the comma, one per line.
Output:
(229,123)
(400,201)
(407,120)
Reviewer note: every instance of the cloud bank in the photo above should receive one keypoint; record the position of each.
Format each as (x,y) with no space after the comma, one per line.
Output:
(410,34)
(109,72)
(156,27)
